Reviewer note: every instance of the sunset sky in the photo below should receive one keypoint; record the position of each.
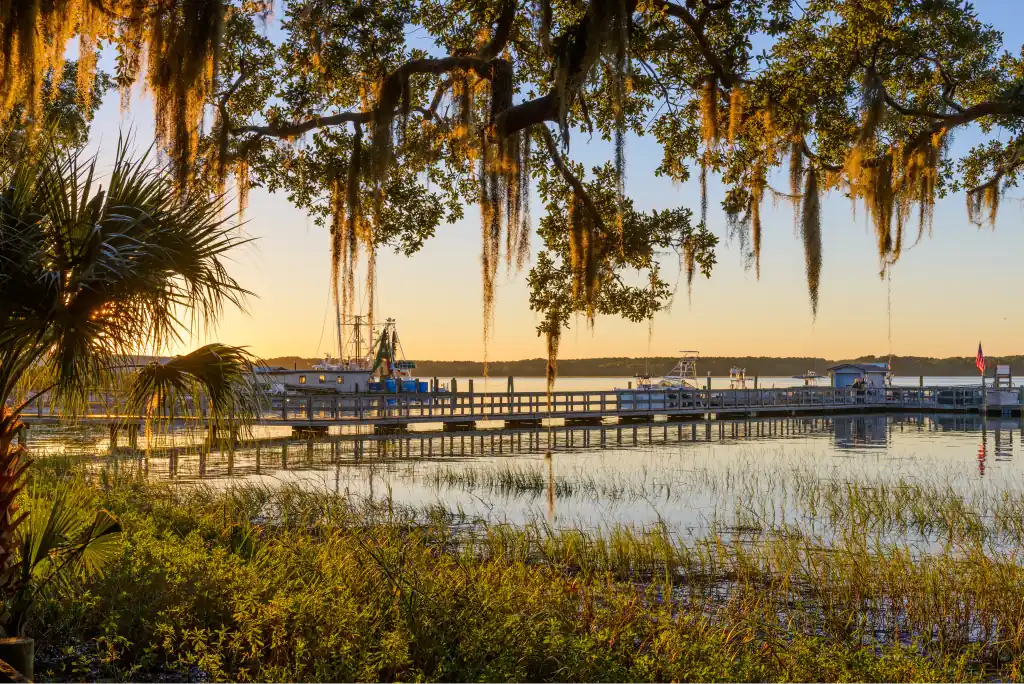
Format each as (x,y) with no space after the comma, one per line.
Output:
(957,286)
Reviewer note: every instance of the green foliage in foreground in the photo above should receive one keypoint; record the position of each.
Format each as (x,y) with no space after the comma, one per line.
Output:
(261,584)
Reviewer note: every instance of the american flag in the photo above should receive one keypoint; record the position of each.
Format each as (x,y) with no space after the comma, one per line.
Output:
(979,361)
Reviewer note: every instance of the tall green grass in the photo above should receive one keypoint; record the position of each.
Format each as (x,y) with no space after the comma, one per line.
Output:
(281,583)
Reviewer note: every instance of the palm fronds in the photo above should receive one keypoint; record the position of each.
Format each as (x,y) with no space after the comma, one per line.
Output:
(217,374)
(89,276)
(64,539)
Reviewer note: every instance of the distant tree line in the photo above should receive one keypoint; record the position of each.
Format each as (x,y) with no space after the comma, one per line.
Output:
(764,366)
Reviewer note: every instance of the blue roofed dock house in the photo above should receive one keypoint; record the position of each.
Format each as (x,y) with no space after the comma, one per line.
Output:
(873,374)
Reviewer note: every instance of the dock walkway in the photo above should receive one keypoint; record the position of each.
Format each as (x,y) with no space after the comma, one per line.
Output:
(465,410)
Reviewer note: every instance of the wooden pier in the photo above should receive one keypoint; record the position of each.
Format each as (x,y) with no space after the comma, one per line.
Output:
(466,410)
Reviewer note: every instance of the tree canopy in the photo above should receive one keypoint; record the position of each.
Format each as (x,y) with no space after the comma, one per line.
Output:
(385,119)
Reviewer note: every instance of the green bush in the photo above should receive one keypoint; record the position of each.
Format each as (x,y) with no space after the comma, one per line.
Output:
(259,584)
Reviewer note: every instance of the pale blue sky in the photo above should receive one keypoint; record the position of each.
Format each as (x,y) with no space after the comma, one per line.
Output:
(960,285)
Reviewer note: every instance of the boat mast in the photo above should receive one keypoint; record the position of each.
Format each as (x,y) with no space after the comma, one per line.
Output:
(359,337)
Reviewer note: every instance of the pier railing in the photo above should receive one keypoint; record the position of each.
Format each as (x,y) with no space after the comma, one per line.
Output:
(427,407)
(511,406)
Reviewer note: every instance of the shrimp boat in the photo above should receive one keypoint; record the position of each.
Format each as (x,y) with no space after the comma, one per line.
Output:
(389,371)
(361,365)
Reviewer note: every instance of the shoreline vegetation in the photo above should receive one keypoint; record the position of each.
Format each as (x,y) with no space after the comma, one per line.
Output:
(658,365)
(855,579)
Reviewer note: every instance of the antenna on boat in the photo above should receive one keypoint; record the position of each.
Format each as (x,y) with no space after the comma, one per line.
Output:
(358,337)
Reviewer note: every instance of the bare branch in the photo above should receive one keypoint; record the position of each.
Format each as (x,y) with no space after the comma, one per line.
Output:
(222,103)
(571,179)
(288,130)
(725,75)
(482,63)
(502,32)
(961,116)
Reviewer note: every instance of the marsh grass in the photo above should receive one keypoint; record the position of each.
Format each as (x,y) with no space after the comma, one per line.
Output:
(286,583)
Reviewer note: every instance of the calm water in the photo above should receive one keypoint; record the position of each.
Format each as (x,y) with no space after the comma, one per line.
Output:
(569,384)
(683,474)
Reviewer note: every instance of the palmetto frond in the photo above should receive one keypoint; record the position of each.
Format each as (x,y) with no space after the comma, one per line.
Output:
(219,374)
(63,538)
(89,276)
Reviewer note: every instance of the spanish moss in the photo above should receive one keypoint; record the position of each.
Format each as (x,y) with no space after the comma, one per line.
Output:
(577,244)
(810,231)
(756,194)
(182,39)
(796,173)
(873,105)
(737,106)
(552,336)
(525,228)
(338,229)
(983,203)
(351,231)
(184,47)
(709,112)
(545,25)
(242,185)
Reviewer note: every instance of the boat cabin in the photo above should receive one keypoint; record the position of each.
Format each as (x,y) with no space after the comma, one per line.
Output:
(846,374)
(278,380)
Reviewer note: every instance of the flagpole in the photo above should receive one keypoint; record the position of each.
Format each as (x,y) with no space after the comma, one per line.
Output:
(984,393)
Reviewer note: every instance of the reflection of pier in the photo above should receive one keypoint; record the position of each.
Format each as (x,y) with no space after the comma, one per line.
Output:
(861,432)
(277,454)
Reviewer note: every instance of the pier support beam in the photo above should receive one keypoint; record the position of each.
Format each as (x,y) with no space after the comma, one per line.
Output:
(522,422)
(305,431)
(628,420)
(596,420)
(390,428)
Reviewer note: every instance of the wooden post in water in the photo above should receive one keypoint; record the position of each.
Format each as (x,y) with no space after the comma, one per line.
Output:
(755,382)
(920,381)
(511,385)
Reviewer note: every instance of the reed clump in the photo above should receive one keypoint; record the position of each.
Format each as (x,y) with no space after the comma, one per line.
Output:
(281,583)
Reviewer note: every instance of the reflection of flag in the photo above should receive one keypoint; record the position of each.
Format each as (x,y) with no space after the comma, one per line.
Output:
(979,361)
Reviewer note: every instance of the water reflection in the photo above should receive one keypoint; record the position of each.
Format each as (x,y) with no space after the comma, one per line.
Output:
(866,432)
(683,473)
